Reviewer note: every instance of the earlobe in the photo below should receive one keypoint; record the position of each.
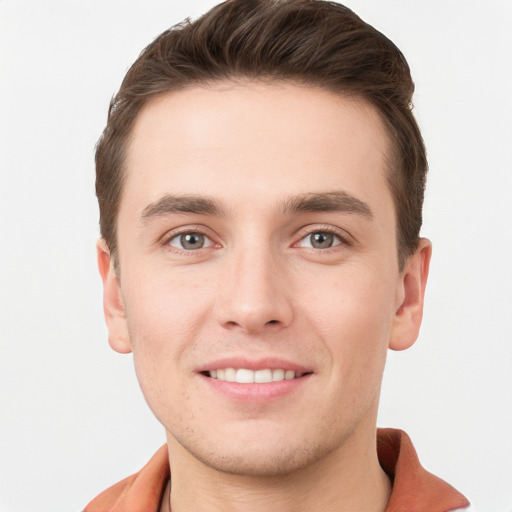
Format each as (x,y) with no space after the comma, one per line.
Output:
(113,306)
(407,321)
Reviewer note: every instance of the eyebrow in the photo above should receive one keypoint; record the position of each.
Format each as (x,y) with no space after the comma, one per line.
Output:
(327,202)
(187,204)
(302,203)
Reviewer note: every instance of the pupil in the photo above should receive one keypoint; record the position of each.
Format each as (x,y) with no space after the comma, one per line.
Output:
(192,241)
(321,240)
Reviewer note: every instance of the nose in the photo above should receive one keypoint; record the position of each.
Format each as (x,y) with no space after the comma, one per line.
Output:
(255,295)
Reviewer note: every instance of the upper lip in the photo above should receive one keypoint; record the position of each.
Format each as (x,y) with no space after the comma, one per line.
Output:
(261,363)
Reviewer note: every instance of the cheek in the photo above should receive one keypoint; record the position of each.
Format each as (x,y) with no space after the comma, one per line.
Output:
(354,315)
(164,318)
(352,300)
(163,309)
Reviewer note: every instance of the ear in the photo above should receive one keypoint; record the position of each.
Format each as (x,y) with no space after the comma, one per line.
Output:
(113,306)
(413,280)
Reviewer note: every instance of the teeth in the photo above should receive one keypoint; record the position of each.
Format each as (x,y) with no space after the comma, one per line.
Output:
(278,375)
(245,376)
(230,374)
(262,376)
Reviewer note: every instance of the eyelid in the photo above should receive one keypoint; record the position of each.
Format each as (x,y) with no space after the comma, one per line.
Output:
(183,230)
(344,237)
(208,242)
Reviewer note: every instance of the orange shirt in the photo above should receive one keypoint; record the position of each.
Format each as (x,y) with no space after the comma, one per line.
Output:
(414,488)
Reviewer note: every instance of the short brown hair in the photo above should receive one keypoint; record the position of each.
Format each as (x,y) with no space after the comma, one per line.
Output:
(311,42)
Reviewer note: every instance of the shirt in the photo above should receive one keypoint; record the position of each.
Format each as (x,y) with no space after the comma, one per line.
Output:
(414,489)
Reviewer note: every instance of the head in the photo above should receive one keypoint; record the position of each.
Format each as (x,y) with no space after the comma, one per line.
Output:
(315,43)
(260,183)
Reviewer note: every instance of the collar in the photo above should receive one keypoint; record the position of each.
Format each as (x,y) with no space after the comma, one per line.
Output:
(414,488)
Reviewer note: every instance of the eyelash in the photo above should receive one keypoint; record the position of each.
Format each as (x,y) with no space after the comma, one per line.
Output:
(343,238)
(191,230)
(304,234)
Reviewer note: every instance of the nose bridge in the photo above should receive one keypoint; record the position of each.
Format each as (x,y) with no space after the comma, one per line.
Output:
(255,294)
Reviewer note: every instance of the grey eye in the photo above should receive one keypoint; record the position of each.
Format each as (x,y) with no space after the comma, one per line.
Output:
(190,241)
(320,240)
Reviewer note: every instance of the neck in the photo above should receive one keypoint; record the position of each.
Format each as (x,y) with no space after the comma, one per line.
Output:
(349,479)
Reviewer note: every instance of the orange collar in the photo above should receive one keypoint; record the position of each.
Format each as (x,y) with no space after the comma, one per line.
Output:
(414,488)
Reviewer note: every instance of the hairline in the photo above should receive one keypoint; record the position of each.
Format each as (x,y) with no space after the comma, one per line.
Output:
(391,158)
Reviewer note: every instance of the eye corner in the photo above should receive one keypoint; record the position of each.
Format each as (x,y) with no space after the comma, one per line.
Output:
(189,240)
(322,239)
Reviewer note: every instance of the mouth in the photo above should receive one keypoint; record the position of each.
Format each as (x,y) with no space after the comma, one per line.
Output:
(248,376)
(254,380)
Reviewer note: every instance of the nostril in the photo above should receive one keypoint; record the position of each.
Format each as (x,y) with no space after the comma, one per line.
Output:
(273,322)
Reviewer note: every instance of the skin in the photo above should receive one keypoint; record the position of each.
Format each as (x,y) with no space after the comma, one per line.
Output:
(260,288)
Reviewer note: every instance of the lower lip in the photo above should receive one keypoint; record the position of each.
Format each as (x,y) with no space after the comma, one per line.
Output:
(255,393)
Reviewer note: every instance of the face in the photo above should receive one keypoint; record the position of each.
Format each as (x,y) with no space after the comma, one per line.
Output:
(258,282)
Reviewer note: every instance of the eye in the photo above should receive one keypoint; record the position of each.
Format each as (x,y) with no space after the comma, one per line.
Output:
(320,240)
(190,241)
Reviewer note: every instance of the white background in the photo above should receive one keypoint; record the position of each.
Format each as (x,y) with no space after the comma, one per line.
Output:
(72,419)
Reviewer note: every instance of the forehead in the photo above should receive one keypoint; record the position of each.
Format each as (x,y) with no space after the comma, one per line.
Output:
(250,140)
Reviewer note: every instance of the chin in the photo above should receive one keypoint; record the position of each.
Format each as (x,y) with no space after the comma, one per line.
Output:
(261,456)
(255,464)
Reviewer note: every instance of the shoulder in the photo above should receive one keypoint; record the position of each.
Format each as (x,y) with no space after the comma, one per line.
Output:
(141,491)
(414,488)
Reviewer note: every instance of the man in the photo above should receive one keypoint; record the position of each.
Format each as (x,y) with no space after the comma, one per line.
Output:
(260,182)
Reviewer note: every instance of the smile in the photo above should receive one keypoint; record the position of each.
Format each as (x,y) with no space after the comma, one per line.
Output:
(246,376)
